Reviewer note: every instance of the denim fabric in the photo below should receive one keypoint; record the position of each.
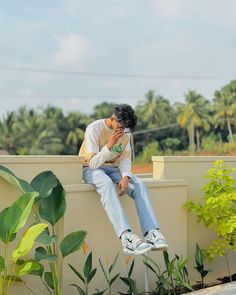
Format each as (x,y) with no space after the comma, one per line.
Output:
(104,179)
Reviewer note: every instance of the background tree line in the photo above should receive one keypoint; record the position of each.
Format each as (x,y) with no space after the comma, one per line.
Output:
(195,126)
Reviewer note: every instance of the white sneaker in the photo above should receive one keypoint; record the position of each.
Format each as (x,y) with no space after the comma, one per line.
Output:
(156,240)
(133,245)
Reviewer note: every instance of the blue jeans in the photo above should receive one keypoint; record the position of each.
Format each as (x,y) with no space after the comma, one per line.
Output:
(104,179)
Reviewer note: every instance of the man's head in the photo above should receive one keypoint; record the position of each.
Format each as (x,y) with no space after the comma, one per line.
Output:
(123,117)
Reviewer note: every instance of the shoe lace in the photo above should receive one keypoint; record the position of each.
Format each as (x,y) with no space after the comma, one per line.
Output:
(132,238)
(155,234)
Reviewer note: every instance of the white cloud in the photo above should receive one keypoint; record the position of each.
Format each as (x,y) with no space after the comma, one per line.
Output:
(74,50)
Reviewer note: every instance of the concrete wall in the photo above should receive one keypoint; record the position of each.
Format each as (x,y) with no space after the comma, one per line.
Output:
(84,211)
(193,169)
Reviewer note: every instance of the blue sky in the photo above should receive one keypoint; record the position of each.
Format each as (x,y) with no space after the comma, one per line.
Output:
(159,37)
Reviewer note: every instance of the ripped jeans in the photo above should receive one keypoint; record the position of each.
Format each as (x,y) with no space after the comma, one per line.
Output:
(104,178)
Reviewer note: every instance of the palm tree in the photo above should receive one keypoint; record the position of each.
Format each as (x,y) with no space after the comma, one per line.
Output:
(36,134)
(193,117)
(225,110)
(155,110)
(8,139)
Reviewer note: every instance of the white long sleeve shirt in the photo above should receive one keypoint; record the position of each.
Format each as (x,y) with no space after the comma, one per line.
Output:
(94,148)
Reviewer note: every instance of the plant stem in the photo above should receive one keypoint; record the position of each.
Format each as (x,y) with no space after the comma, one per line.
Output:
(29,289)
(227,263)
(46,286)
(4,285)
(12,274)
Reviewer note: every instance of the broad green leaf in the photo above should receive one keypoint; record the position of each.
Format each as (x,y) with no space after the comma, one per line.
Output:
(53,207)
(27,268)
(40,253)
(45,238)
(28,240)
(72,242)
(80,290)
(114,278)
(44,183)
(48,279)
(2,264)
(88,265)
(91,275)
(14,218)
(77,273)
(10,177)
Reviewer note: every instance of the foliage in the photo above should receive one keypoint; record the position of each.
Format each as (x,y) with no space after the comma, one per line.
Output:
(108,273)
(12,220)
(177,126)
(174,279)
(49,195)
(131,283)
(86,277)
(217,210)
(199,259)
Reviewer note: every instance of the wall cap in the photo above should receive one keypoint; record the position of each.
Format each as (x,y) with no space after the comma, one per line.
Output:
(40,159)
(193,158)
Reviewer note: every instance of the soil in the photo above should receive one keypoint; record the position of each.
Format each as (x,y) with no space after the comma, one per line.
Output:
(142,168)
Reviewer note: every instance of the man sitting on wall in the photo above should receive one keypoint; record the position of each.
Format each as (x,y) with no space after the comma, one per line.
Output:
(107,152)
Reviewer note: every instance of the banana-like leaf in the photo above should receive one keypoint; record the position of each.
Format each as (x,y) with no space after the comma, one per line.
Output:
(72,242)
(10,177)
(28,240)
(44,183)
(14,218)
(48,279)
(53,207)
(27,268)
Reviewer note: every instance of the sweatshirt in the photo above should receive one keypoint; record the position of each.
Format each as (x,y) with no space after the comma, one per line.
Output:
(96,153)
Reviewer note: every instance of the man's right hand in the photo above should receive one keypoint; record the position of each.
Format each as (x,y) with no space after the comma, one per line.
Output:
(116,135)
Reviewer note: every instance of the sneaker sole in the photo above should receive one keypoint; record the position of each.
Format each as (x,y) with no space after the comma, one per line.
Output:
(137,252)
(162,247)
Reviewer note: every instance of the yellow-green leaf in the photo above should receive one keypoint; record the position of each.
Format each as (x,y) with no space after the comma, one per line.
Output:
(28,240)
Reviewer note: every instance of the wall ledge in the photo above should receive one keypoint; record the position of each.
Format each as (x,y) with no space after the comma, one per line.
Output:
(193,158)
(39,159)
(71,188)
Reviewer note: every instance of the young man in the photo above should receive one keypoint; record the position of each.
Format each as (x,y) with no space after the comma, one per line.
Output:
(107,152)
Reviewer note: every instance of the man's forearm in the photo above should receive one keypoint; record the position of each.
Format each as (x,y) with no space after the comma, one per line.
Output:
(100,158)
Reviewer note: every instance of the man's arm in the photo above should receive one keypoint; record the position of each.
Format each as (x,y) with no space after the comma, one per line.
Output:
(98,158)
(125,169)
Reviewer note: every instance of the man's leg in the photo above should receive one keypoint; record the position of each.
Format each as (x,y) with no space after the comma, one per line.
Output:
(109,198)
(138,191)
(149,224)
(132,244)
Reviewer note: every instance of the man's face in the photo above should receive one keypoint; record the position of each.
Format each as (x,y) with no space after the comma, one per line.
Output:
(116,124)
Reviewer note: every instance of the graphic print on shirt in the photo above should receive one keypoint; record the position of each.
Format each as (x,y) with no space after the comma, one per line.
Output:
(117,149)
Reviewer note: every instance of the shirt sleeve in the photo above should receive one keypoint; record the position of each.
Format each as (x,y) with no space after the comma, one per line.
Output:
(95,157)
(125,162)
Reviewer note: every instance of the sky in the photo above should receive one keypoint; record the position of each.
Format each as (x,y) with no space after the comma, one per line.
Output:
(75,54)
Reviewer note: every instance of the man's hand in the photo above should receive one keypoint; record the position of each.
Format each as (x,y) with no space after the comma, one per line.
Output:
(116,135)
(124,183)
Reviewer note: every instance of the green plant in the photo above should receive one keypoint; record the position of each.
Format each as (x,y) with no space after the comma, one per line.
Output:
(86,277)
(199,259)
(174,279)
(217,210)
(108,273)
(131,283)
(50,207)
(12,220)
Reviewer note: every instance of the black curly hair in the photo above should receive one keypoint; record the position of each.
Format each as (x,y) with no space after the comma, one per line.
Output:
(125,116)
